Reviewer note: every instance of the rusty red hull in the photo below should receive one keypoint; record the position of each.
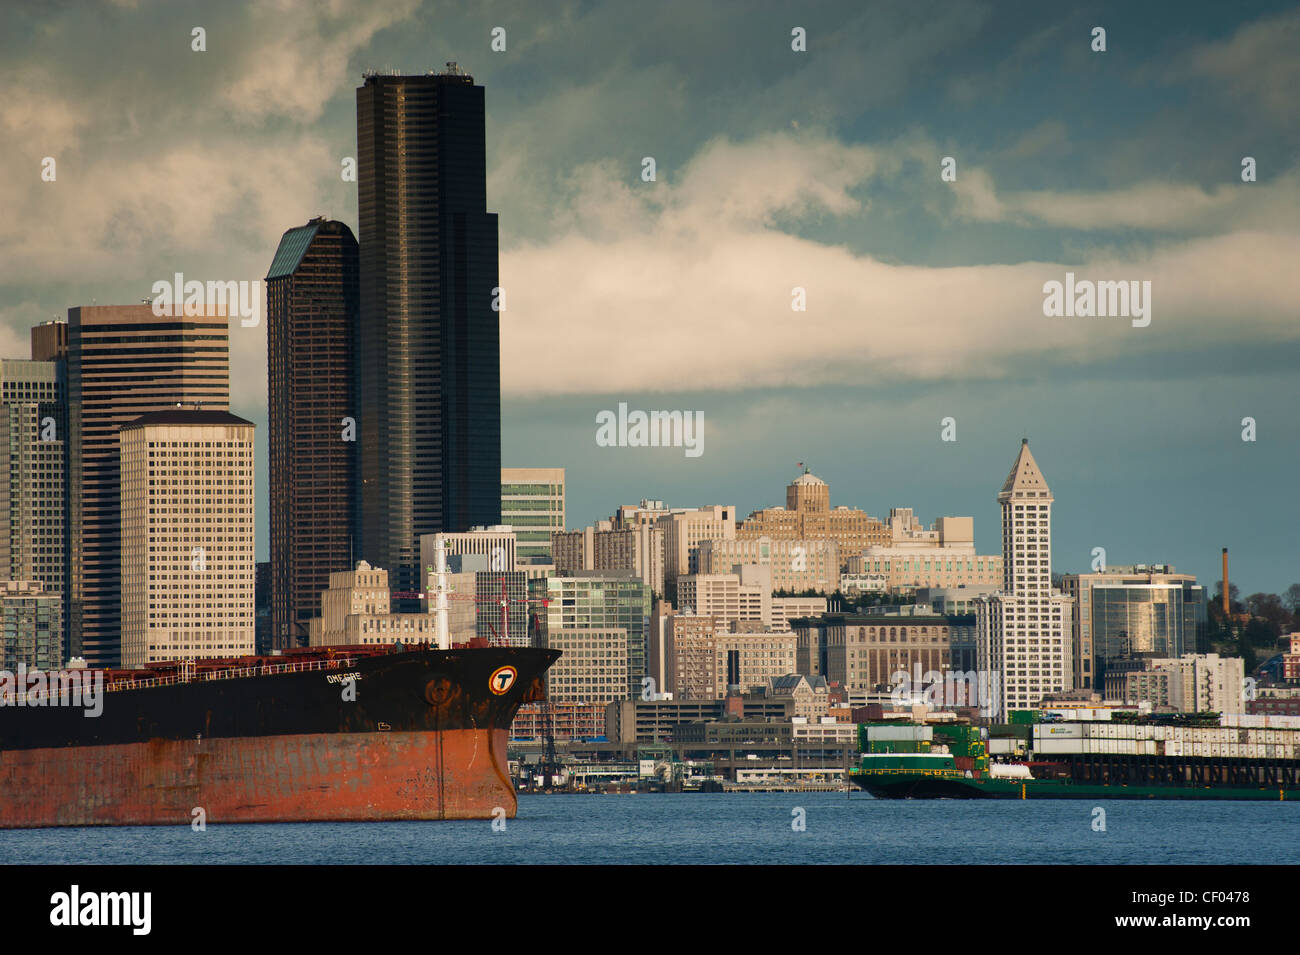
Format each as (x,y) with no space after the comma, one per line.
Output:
(403,736)
(353,777)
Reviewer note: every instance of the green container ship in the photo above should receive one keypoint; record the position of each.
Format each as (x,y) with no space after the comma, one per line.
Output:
(938,776)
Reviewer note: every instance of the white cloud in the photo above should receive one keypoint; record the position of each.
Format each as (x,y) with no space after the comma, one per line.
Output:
(688,286)
(299,52)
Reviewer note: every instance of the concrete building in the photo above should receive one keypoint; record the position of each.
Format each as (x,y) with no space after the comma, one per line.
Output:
(750,660)
(640,721)
(1023,630)
(33,473)
(785,609)
(356,609)
(187,536)
(690,657)
(726,597)
(808,694)
(950,601)
(807,515)
(532,502)
(1132,611)
(181,359)
(796,565)
(49,341)
(496,544)
(599,600)
(311,328)
(1192,683)
(683,531)
(942,556)
(863,653)
(31,626)
(592,668)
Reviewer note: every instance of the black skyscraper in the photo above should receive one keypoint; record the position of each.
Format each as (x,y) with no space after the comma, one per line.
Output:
(429,366)
(311,295)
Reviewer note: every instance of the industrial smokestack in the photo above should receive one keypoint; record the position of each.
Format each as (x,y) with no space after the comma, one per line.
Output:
(1225,582)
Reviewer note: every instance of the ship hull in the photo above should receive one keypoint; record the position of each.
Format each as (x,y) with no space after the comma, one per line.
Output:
(918,786)
(405,736)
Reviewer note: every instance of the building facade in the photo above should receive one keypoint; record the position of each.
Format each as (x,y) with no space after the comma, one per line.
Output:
(33,478)
(311,327)
(599,600)
(532,502)
(1192,683)
(1023,630)
(187,536)
(1132,612)
(592,667)
(808,515)
(682,531)
(428,350)
(123,362)
(797,565)
(31,626)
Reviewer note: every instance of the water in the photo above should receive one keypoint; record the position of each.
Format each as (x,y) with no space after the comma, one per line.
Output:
(736,828)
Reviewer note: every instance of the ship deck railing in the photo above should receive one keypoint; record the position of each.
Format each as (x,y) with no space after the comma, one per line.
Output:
(232,673)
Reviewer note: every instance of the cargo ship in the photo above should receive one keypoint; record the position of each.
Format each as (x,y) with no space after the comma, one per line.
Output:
(1110,761)
(360,733)
(937,776)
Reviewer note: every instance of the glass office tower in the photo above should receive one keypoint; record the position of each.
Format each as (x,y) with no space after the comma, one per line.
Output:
(428,343)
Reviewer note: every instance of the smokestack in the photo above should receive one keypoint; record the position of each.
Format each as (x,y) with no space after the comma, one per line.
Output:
(1225,582)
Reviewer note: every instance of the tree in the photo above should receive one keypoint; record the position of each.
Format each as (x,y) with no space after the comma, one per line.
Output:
(1291,600)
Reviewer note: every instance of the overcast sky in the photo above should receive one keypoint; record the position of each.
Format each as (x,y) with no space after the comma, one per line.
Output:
(776,169)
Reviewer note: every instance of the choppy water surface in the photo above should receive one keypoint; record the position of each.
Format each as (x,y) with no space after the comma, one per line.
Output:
(740,828)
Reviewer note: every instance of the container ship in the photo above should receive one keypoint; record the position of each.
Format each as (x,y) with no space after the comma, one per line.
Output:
(1104,760)
(324,734)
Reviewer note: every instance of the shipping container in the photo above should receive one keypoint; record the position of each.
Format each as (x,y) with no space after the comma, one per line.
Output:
(1058,731)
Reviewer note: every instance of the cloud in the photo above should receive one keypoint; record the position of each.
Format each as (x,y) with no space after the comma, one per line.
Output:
(296,58)
(1159,206)
(688,286)
(1256,65)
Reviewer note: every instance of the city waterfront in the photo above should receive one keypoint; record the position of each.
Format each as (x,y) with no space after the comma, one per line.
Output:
(726,828)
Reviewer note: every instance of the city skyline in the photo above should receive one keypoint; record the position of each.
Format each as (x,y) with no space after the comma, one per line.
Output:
(826,171)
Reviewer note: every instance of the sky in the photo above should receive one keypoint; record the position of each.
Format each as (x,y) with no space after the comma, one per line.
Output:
(775,169)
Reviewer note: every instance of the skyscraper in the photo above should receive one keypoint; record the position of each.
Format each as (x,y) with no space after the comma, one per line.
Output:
(428,347)
(1023,630)
(311,295)
(187,570)
(532,502)
(33,506)
(124,361)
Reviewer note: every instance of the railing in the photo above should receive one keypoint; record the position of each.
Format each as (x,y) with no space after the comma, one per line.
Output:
(233,673)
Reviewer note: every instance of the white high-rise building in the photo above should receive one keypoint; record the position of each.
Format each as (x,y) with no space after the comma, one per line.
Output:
(1023,630)
(187,536)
